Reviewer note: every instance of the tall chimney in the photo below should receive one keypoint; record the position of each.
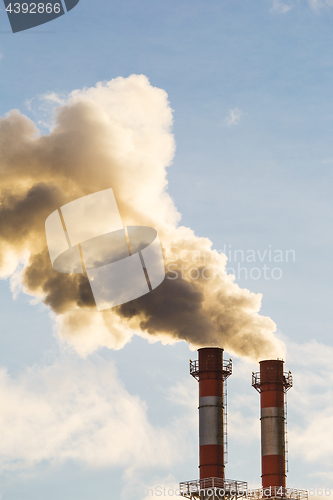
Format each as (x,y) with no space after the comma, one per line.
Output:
(272,384)
(211,373)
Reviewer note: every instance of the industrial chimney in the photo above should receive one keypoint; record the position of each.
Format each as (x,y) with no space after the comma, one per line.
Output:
(212,372)
(272,384)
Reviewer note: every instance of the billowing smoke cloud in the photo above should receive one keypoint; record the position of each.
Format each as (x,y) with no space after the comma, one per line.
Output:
(118,135)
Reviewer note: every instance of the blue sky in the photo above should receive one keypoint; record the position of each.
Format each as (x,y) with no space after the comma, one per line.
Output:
(250,83)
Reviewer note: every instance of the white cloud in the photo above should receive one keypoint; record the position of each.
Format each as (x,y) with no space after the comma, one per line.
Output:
(234,117)
(280,7)
(184,393)
(243,429)
(79,410)
(43,108)
(166,487)
(157,487)
(243,405)
(52,97)
(317,4)
(74,410)
(312,399)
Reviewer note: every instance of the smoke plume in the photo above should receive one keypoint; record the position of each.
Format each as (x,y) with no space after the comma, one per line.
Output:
(118,135)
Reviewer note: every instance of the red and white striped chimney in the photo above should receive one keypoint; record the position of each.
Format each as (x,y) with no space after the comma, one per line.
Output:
(211,373)
(272,384)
